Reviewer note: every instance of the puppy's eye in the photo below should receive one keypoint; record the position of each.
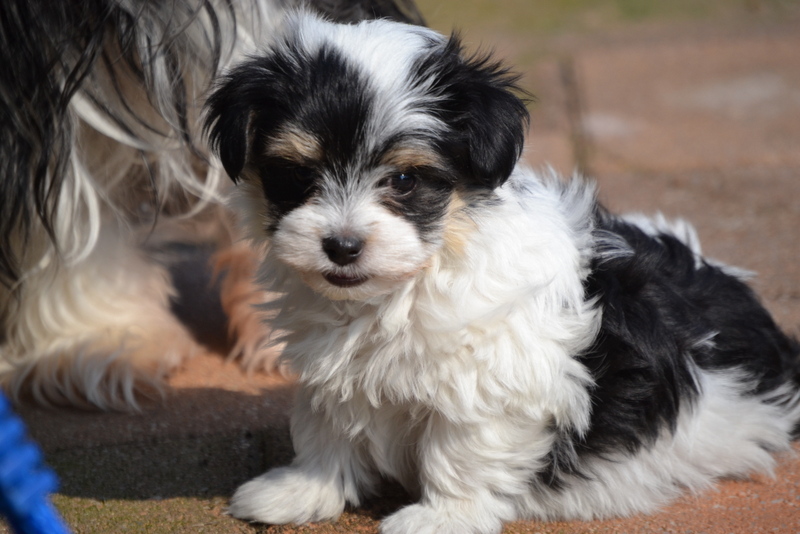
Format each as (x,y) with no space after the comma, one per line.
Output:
(403,182)
(287,184)
(304,176)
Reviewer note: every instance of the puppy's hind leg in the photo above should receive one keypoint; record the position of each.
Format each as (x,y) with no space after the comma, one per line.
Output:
(96,332)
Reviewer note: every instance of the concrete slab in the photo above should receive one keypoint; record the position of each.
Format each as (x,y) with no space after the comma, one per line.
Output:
(550,140)
(759,506)
(698,103)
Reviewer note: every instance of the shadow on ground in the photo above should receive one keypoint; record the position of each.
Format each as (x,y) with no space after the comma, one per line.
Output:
(201,442)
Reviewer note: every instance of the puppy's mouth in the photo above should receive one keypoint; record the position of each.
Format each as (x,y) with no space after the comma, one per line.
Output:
(345,280)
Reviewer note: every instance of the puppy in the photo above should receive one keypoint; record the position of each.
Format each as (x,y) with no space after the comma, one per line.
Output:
(491,338)
(102,170)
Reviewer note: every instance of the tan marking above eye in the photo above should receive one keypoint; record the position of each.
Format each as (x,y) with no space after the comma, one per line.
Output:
(411,158)
(295,145)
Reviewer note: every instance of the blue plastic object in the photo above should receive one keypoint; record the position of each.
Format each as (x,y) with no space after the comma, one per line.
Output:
(25,482)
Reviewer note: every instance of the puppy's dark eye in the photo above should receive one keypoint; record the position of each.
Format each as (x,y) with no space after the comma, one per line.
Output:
(403,182)
(286,184)
(304,176)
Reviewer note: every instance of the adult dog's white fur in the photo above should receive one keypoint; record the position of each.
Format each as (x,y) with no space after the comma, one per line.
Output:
(448,313)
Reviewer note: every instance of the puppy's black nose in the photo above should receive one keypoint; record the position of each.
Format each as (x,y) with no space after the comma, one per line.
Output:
(342,250)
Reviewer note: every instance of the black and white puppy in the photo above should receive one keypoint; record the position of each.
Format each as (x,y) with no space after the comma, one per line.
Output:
(490,337)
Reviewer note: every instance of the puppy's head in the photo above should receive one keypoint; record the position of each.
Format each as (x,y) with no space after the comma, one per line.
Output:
(353,145)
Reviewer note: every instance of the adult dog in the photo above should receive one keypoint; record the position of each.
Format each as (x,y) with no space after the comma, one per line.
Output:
(101,171)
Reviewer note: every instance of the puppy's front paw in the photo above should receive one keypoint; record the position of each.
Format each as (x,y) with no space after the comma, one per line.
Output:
(287,495)
(425,519)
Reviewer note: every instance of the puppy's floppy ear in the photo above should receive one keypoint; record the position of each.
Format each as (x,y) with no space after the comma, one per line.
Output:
(249,90)
(488,121)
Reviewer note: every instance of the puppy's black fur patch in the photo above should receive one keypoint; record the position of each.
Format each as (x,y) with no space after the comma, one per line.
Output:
(663,315)
(488,121)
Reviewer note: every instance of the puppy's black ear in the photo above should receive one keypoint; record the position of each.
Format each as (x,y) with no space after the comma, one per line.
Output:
(488,120)
(231,109)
